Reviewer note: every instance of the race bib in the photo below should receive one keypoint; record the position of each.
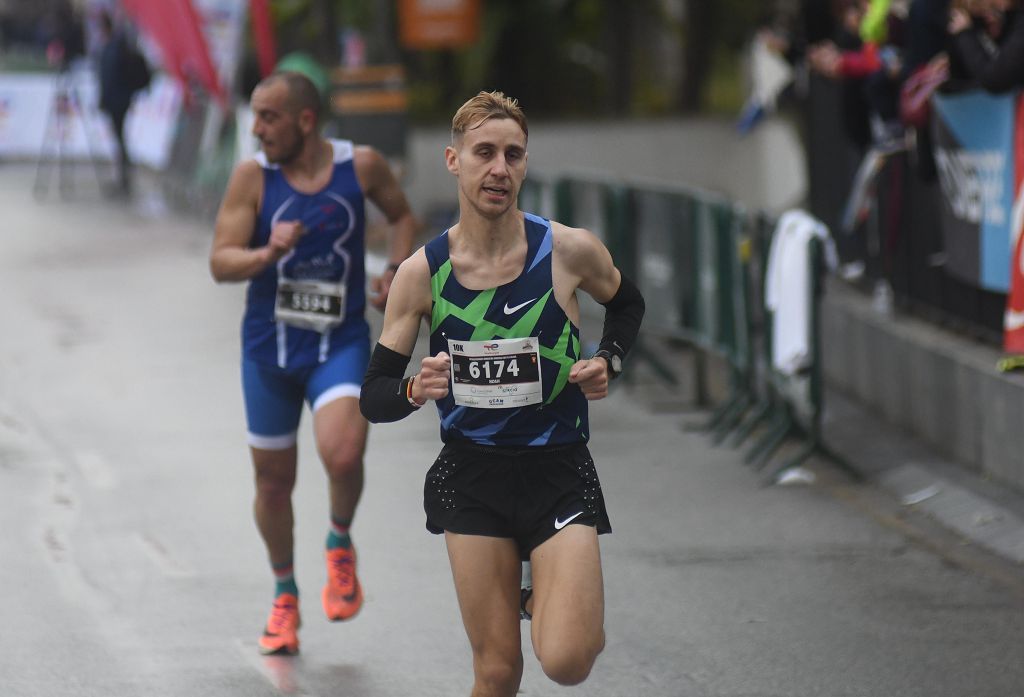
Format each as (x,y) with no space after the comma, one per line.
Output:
(316,305)
(496,374)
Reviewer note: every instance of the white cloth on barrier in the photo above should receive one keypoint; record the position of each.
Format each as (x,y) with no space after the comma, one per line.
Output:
(769,74)
(787,291)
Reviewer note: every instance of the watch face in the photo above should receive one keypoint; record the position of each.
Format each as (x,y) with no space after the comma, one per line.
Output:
(614,362)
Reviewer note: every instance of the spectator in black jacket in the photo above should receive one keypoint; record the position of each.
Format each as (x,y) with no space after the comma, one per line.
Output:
(991,51)
(926,33)
(117,89)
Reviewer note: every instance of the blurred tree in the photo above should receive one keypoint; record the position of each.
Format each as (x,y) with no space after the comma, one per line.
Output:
(325,47)
(700,35)
(558,57)
(715,34)
(619,28)
(308,25)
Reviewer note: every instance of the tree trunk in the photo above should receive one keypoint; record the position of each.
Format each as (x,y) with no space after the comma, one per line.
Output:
(698,53)
(620,35)
(326,47)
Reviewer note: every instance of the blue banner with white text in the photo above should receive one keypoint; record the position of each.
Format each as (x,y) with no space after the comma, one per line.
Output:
(974,153)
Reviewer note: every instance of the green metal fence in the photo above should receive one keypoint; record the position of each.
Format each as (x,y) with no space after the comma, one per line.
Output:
(699,260)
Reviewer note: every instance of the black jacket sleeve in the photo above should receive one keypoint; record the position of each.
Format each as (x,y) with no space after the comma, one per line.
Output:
(1000,71)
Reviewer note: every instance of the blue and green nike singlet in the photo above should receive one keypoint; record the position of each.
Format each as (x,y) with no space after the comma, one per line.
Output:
(525,307)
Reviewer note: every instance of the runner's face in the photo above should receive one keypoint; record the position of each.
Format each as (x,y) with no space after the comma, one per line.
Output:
(490,163)
(276,125)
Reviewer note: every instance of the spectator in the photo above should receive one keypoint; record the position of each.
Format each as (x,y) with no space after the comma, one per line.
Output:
(122,73)
(926,67)
(926,33)
(990,49)
(824,58)
(872,64)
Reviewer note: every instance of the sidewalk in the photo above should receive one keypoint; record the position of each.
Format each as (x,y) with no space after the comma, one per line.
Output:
(890,376)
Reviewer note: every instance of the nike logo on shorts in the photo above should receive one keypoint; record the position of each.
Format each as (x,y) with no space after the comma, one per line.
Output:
(559,524)
(517,308)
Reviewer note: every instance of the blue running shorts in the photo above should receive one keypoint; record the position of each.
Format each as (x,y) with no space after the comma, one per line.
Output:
(274,396)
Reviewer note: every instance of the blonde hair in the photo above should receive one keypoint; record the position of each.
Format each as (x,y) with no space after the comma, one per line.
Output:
(485,106)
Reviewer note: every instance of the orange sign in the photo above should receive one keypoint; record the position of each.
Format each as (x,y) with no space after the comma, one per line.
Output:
(427,24)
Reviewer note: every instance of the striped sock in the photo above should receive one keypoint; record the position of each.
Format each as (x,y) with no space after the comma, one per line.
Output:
(284,579)
(338,535)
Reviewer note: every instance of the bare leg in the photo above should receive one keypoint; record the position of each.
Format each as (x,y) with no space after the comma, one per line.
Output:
(486,571)
(341,439)
(568,604)
(272,508)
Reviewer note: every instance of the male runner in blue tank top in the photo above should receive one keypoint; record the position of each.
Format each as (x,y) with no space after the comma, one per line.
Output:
(514,480)
(292,223)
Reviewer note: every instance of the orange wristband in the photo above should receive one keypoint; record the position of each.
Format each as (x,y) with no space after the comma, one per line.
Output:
(408,392)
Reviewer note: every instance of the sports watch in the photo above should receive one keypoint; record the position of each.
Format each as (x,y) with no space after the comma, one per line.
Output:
(614,362)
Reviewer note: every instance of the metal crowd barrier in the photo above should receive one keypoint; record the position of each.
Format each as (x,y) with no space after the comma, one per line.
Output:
(699,260)
(791,404)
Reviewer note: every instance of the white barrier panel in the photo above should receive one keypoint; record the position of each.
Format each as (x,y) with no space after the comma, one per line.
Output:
(28,118)
(152,122)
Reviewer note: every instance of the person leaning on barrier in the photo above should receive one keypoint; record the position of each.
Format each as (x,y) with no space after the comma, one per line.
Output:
(991,50)
(514,480)
(292,224)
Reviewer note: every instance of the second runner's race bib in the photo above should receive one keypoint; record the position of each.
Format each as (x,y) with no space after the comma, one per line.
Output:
(316,305)
(496,374)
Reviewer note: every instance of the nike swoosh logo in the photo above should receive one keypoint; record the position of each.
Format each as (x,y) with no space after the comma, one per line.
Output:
(559,524)
(517,308)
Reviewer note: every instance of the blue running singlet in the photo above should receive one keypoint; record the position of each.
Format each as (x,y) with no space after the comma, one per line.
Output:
(332,251)
(525,307)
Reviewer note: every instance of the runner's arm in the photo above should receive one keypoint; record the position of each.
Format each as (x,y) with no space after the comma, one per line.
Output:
(380,186)
(231,258)
(586,259)
(386,394)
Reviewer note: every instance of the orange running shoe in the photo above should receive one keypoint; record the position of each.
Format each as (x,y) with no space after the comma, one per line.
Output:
(281,634)
(342,596)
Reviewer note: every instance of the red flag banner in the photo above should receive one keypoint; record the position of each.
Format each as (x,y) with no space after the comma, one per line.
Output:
(1013,323)
(175,28)
(263,35)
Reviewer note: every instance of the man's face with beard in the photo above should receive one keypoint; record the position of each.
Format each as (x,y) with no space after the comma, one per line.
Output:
(277,123)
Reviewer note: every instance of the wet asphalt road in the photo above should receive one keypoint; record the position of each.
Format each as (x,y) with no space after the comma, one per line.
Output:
(131,566)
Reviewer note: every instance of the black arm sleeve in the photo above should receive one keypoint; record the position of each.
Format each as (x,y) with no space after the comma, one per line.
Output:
(622,318)
(382,398)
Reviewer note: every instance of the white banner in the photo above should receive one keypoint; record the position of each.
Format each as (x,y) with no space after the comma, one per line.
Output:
(44,113)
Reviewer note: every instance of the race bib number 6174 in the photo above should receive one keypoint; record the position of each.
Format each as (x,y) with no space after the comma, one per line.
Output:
(496,374)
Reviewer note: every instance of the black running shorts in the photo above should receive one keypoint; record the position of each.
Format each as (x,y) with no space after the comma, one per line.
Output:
(527,494)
